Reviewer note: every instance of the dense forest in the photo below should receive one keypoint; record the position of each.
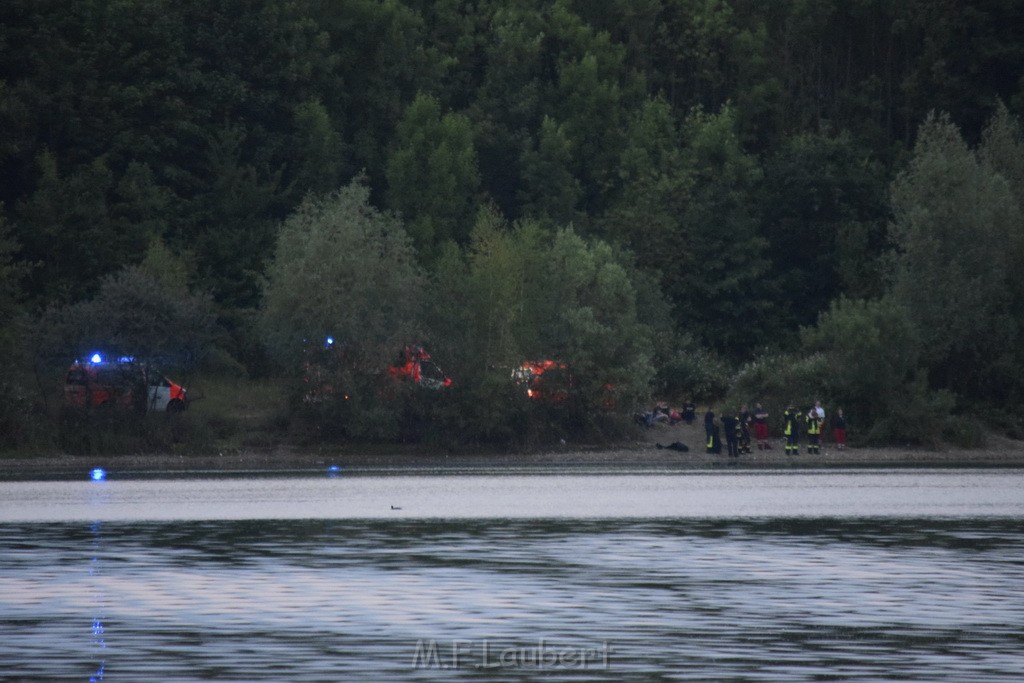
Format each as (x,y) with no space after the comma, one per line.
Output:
(724,200)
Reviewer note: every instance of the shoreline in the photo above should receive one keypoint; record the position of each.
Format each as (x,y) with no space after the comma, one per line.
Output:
(637,455)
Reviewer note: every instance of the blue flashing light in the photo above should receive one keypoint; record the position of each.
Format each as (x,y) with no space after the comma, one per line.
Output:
(329,341)
(333,468)
(98,474)
(333,471)
(96,358)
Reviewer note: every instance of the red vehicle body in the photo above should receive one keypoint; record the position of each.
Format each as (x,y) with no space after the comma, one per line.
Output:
(323,368)
(552,381)
(116,384)
(545,380)
(415,364)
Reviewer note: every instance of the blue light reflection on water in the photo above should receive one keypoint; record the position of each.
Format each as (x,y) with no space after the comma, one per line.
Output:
(98,631)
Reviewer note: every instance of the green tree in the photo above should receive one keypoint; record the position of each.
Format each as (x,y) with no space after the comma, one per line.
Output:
(589,103)
(230,229)
(501,265)
(85,224)
(477,311)
(132,314)
(343,269)
(549,191)
(17,420)
(432,175)
(523,292)
(655,185)
(12,270)
(380,60)
(874,370)
(507,104)
(320,158)
(1002,150)
(824,220)
(956,228)
(541,296)
(592,320)
(166,267)
(720,292)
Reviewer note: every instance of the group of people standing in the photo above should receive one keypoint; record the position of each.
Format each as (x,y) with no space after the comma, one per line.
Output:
(736,429)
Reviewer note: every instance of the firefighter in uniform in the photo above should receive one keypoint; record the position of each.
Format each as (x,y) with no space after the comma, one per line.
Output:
(814,424)
(791,430)
(714,446)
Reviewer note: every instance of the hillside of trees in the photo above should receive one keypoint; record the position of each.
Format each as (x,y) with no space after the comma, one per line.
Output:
(724,200)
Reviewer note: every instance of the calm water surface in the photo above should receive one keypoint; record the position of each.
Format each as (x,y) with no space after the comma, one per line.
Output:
(909,575)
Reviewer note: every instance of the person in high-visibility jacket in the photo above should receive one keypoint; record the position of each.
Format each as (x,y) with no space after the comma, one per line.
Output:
(814,424)
(714,446)
(791,430)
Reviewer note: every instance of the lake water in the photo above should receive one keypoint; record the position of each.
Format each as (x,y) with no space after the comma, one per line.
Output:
(906,575)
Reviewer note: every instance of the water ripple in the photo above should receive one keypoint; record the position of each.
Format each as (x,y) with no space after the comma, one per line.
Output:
(679,599)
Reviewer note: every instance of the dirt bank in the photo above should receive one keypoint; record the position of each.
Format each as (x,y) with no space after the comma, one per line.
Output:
(639,454)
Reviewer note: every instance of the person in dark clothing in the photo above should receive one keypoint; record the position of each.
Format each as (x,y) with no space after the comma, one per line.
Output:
(791,430)
(689,412)
(730,424)
(744,430)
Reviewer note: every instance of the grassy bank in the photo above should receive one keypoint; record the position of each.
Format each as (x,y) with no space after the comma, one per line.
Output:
(235,423)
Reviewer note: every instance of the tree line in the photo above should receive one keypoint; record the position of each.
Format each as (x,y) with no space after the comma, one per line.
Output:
(693,198)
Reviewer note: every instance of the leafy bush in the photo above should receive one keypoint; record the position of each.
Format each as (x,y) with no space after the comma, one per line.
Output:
(692,373)
(916,416)
(964,432)
(23,423)
(873,369)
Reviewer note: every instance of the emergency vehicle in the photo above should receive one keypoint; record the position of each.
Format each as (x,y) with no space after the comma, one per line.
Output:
(552,382)
(115,384)
(415,364)
(544,380)
(322,367)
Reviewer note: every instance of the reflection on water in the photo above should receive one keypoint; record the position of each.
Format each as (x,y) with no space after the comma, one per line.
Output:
(515,599)
(99,643)
(909,575)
